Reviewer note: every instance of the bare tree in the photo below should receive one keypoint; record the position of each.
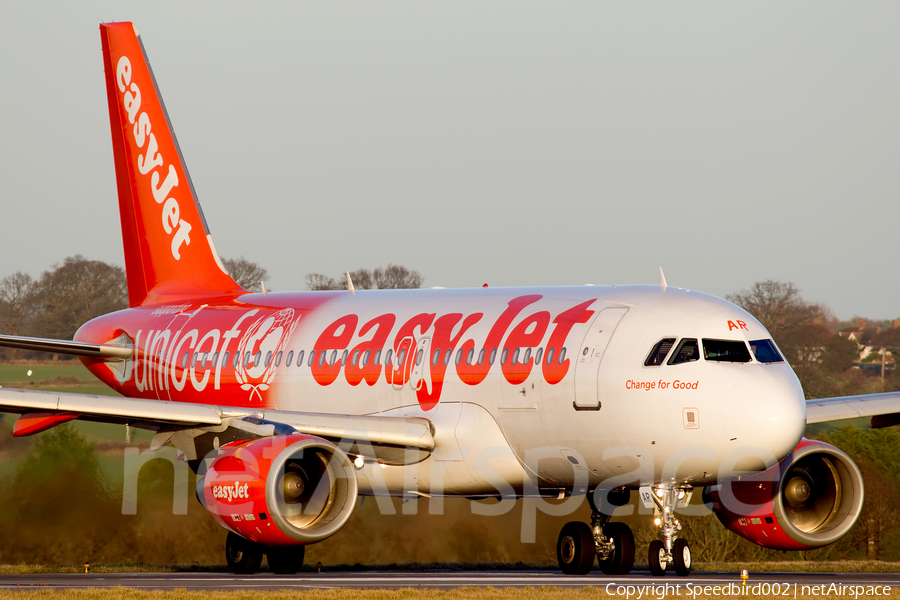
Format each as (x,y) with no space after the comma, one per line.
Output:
(393,277)
(247,274)
(17,308)
(75,292)
(17,302)
(396,277)
(317,281)
(778,305)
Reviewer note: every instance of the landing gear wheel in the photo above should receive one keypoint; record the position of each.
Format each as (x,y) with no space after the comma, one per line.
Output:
(621,560)
(285,561)
(575,549)
(681,556)
(657,556)
(243,556)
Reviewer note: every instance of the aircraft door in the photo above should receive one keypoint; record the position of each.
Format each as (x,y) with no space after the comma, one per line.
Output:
(401,362)
(420,364)
(587,365)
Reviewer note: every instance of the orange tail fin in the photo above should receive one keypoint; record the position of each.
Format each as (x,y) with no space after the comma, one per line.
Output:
(169,254)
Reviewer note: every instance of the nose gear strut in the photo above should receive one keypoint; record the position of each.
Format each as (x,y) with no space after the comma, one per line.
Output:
(669,550)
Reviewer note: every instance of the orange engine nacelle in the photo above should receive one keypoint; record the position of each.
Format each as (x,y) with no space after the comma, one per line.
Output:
(284,490)
(808,500)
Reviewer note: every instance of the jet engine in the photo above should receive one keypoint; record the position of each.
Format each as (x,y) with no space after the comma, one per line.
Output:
(284,490)
(808,500)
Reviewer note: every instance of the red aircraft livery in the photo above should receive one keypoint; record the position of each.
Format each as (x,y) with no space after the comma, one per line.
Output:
(292,406)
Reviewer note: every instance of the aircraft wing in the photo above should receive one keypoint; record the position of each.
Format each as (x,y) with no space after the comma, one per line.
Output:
(883,408)
(386,435)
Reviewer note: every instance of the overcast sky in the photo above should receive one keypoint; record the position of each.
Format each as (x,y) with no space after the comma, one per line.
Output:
(514,143)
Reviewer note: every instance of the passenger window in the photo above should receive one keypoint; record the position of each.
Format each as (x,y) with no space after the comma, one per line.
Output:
(312,358)
(515,358)
(419,357)
(459,356)
(562,356)
(258,359)
(225,359)
(658,355)
(504,356)
(481,356)
(365,358)
(765,351)
(278,358)
(436,357)
(376,360)
(388,357)
(447,355)
(687,352)
(470,357)
(493,356)
(527,356)
(355,360)
(268,357)
(725,351)
(550,356)
(215,360)
(290,359)
(537,357)
(184,360)
(344,357)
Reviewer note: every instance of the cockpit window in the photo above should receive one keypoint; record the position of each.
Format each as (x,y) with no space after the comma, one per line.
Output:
(687,352)
(658,355)
(725,351)
(765,351)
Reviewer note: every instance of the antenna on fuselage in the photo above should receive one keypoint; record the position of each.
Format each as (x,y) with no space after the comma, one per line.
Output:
(350,287)
(662,279)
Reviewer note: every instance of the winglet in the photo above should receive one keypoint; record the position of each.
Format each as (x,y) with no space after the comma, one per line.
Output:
(662,279)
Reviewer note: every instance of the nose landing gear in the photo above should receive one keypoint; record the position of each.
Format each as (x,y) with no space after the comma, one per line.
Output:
(670,550)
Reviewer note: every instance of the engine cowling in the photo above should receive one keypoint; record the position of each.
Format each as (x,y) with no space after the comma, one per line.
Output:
(808,500)
(281,491)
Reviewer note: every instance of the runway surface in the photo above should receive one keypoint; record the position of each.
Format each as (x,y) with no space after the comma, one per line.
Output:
(424,579)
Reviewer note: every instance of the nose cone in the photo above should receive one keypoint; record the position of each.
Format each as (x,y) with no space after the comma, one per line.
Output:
(766,414)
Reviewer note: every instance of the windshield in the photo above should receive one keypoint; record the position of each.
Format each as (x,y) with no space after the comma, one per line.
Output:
(765,351)
(725,351)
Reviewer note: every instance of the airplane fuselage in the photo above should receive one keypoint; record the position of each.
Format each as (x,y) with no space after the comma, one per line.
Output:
(550,387)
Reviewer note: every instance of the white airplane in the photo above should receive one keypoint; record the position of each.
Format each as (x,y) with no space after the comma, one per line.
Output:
(292,405)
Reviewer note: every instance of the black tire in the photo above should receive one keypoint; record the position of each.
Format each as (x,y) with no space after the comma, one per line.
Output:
(621,560)
(657,558)
(575,549)
(243,556)
(285,561)
(681,557)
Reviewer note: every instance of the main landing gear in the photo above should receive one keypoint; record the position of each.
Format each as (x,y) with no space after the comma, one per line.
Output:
(245,556)
(669,550)
(611,543)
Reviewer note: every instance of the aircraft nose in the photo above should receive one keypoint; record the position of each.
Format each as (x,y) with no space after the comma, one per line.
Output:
(768,413)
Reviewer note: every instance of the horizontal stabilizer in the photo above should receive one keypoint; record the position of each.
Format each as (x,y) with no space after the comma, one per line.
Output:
(102,351)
